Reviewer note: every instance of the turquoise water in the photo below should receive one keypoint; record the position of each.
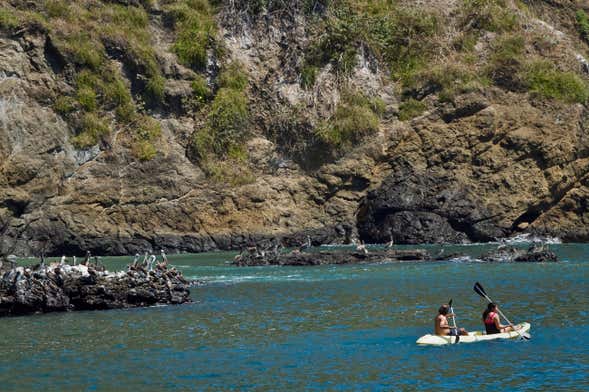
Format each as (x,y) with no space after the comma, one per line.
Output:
(343,328)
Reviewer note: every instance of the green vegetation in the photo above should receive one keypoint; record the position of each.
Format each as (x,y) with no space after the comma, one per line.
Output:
(506,60)
(489,15)
(147,133)
(233,77)
(219,145)
(83,50)
(92,129)
(355,117)
(227,120)
(8,19)
(450,80)
(466,41)
(202,92)
(308,76)
(510,68)
(583,24)
(100,91)
(545,80)
(411,109)
(228,116)
(337,44)
(194,23)
(508,50)
(64,105)
(401,37)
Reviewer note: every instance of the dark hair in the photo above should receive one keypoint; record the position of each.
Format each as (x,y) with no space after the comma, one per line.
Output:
(443,309)
(490,307)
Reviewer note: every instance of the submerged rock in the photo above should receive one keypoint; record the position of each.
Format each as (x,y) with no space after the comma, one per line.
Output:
(61,287)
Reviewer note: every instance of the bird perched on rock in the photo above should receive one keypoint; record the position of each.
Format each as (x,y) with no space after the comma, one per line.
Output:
(306,245)
(133,265)
(144,261)
(12,260)
(390,243)
(43,265)
(151,262)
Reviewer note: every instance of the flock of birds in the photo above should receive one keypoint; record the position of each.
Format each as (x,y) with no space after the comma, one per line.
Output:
(149,262)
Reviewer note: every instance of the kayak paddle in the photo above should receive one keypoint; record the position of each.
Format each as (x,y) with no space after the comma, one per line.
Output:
(478,288)
(454,321)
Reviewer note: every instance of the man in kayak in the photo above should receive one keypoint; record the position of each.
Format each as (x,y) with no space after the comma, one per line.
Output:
(492,322)
(442,328)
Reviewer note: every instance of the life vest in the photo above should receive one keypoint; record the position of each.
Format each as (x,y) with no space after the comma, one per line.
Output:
(490,324)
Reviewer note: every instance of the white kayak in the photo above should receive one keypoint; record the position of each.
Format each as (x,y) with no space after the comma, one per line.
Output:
(472,337)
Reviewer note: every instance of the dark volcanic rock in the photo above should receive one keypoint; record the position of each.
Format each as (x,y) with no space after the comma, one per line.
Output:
(64,287)
(297,258)
(537,254)
(416,206)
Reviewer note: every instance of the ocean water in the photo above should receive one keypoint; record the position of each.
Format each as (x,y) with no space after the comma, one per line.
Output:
(340,328)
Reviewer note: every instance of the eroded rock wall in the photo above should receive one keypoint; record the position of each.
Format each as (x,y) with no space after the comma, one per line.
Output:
(490,163)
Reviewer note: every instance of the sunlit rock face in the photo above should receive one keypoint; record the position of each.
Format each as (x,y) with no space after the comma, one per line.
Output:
(472,147)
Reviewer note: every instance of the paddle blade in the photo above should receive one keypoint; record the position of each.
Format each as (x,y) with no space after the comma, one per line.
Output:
(478,288)
(450,303)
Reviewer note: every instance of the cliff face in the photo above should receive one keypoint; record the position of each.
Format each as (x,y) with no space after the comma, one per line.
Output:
(437,128)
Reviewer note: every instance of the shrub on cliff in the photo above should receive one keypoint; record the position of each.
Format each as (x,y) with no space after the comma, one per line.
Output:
(488,15)
(399,36)
(201,90)
(505,62)
(228,115)
(92,129)
(8,19)
(233,77)
(219,146)
(227,119)
(195,27)
(583,24)
(448,80)
(355,117)
(545,80)
(411,109)
(147,131)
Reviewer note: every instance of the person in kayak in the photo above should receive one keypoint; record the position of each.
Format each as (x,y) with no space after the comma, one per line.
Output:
(442,327)
(492,321)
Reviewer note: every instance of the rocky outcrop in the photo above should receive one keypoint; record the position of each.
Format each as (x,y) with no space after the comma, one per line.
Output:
(61,287)
(512,167)
(298,258)
(534,254)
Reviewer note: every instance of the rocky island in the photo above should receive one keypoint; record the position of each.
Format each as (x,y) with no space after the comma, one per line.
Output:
(264,254)
(298,258)
(62,287)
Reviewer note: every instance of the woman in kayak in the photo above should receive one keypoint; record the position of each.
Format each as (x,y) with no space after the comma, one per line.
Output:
(492,322)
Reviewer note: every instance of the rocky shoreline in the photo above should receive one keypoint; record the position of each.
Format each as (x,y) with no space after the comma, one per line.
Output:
(63,287)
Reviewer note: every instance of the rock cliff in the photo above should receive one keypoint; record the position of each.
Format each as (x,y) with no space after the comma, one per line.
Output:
(193,126)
